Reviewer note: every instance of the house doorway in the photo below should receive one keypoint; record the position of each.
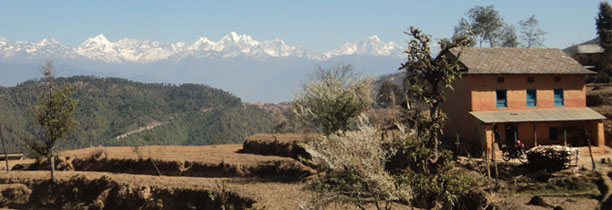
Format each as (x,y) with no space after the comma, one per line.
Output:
(511,134)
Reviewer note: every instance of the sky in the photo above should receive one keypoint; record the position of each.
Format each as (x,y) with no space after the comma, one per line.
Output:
(317,25)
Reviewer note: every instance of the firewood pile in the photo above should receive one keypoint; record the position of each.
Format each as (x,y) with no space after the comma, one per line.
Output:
(550,157)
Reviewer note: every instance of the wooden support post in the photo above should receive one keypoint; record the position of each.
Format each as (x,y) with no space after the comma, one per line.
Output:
(564,136)
(493,150)
(586,131)
(535,135)
(515,128)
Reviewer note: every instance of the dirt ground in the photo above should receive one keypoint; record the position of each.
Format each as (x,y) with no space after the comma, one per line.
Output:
(519,201)
(266,193)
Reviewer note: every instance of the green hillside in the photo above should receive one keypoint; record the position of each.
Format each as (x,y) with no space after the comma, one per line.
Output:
(186,114)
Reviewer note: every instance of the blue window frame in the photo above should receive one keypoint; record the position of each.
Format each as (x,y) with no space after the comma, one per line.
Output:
(502,100)
(558,97)
(532,98)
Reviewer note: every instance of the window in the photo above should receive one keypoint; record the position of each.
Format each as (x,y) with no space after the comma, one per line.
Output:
(500,79)
(558,97)
(557,79)
(553,133)
(532,98)
(530,79)
(502,102)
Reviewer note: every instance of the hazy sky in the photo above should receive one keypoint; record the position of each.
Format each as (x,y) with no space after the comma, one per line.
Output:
(312,24)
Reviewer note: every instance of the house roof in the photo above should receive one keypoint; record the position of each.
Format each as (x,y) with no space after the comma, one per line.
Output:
(538,115)
(505,60)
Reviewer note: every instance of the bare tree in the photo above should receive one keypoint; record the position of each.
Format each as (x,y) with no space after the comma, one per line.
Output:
(531,33)
(508,36)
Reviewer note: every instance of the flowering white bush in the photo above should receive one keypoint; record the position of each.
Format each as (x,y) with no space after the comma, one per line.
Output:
(352,169)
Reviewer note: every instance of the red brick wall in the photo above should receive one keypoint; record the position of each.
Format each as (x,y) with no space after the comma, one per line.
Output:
(457,108)
(483,96)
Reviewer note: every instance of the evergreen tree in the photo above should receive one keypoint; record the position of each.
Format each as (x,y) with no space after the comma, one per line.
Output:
(388,94)
(604,31)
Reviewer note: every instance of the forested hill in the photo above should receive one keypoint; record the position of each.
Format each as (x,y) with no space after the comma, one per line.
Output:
(115,111)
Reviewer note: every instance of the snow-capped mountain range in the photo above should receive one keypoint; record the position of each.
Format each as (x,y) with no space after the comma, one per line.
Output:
(254,70)
(99,48)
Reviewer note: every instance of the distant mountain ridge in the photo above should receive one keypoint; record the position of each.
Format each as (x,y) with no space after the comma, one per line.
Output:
(99,48)
(256,71)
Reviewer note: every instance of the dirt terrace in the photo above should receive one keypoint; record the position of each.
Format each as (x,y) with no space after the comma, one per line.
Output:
(194,161)
(270,195)
(227,153)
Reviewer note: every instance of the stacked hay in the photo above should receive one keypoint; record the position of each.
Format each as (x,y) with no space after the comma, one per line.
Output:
(285,145)
(549,157)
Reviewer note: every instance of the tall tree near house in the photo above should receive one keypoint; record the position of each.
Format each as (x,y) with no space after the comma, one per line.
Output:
(531,33)
(428,78)
(604,31)
(484,23)
(508,36)
(54,115)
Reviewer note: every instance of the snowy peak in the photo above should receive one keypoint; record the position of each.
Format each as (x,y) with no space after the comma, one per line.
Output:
(98,40)
(373,38)
(371,46)
(99,48)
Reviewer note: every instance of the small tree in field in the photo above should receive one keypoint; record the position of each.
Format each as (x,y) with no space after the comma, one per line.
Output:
(54,115)
(332,99)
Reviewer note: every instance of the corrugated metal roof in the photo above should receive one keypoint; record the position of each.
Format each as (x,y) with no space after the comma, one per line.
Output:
(505,60)
(538,115)
(590,48)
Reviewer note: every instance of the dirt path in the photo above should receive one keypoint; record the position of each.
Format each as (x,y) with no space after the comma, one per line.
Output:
(143,128)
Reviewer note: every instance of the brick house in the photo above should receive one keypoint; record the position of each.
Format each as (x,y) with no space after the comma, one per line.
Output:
(534,95)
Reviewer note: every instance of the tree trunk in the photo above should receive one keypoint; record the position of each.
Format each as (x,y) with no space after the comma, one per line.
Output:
(586,131)
(155,165)
(4,148)
(52,163)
